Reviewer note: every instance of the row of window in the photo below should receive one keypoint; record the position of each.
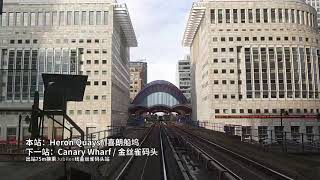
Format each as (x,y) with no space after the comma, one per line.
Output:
(265,111)
(58,41)
(55,18)
(266,29)
(225,96)
(225,82)
(87,112)
(272,15)
(286,71)
(88,62)
(223,60)
(97,83)
(95,97)
(224,71)
(270,38)
(104,72)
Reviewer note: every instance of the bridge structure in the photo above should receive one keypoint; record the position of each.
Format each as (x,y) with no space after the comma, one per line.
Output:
(160,96)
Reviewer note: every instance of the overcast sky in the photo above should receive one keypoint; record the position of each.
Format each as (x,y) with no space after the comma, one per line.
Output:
(159,26)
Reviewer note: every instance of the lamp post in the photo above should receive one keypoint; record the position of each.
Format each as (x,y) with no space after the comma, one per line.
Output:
(282,113)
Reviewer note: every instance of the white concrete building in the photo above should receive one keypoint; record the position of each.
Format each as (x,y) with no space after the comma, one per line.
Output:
(184,76)
(89,37)
(316,5)
(252,59)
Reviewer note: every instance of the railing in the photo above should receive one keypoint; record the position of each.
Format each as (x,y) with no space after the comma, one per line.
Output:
(278,140)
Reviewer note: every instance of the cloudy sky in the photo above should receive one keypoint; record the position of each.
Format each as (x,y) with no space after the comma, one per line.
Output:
(159,26)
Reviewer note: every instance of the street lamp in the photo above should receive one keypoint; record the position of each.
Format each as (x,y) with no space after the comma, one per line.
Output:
(283,113)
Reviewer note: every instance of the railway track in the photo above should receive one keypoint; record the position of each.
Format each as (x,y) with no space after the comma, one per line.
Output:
(147,167)
(226,163)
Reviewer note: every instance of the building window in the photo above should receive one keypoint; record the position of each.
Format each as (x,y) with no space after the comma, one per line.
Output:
(87,112)
(54,18)
(96,83)
(273,15)
(217,111)
(11,133)
(219,15)
(47,19)
(96,97)
(227,15)
(265,15)
(79,112)
(76,18)
(292,16)
(250,16)
(11,19)
(286,15)
(83,18)
(18,19)
(215,49)
(96,61)
(243,16)
(106,16)
(104,83)
(69,17)
(61,18)
(213,16)
(98,18)
(258,16)
(235,16)
(91,18)
(280,15)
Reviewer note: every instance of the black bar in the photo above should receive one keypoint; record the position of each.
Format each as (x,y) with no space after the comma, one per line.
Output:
(1,5)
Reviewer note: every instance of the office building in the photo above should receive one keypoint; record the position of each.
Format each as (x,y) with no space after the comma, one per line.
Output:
(89,37)
(252,60)
(138,77)
(183,76)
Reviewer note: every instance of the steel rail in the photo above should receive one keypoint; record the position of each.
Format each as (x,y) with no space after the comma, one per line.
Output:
(246,159)
(164,171)
(123,170)
(213,159)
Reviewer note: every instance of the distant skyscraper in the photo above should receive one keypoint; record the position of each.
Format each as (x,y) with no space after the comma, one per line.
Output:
(90,37)
(184,77)
(316,5)
(138,77)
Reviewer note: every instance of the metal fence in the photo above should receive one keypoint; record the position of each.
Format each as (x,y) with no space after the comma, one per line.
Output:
(276,139)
